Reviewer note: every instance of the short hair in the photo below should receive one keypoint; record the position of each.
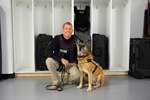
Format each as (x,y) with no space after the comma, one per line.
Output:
(68,23)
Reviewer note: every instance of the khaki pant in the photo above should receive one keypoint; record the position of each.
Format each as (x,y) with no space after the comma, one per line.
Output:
(53,65)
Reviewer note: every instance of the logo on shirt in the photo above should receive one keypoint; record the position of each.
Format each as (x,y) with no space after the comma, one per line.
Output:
(63,51)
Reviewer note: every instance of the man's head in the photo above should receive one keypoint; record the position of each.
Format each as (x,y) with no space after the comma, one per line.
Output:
(67,30)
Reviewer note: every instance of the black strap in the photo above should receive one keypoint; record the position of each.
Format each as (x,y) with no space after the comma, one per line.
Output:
(95,67)
(90,60)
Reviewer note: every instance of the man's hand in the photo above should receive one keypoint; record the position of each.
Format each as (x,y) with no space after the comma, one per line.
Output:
(65,62)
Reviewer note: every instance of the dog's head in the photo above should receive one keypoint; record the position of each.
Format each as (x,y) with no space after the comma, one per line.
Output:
(82,49)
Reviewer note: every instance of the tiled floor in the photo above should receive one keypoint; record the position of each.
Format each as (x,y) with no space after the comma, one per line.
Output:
(115,88)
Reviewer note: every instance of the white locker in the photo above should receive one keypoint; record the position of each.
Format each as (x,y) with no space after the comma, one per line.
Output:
(23,35)
(120,35)
(33,17)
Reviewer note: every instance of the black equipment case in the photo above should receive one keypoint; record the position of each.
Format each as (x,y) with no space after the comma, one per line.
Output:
(0,53)
(42,42)
(139,58)
(100,50)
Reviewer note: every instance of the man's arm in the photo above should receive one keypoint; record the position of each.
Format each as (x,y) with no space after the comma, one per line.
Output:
(52,49)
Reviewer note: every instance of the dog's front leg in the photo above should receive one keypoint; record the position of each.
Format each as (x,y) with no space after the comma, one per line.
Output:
(81,81)
(89,82)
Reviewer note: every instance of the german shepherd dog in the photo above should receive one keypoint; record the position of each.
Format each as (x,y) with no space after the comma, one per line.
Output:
(88,66)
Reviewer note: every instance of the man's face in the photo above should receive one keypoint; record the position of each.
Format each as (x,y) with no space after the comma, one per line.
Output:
(67,31)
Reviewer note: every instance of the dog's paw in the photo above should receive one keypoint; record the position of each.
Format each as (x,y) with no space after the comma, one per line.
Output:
(79,87)
(89,90)
(96,87)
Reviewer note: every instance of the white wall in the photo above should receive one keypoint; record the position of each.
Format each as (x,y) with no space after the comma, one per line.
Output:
(6,36)
(137,17)
(137,20)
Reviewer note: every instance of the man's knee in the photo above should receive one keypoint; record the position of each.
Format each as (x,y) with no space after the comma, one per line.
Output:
(48,60)
(50,63)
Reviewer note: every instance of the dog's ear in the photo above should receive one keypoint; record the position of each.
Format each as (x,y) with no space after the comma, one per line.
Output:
(87,44)
(78,42)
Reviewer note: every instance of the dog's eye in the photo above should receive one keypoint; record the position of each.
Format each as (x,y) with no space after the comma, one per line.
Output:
(80,49)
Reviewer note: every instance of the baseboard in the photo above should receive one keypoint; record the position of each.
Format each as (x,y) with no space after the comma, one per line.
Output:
(118,73)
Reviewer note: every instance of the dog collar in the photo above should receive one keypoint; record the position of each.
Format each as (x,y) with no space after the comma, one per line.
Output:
(84,61)
(82,56)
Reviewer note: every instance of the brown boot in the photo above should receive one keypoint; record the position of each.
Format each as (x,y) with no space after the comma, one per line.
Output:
(54,85)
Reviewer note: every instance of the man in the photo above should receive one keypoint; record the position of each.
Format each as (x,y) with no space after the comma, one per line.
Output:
(62,52)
